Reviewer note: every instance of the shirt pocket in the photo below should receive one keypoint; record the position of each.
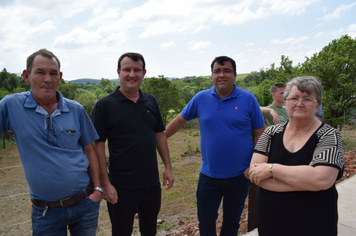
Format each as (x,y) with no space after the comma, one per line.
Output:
(69,139)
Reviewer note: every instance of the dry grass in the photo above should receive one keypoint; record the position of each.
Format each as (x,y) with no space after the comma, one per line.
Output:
(178,202)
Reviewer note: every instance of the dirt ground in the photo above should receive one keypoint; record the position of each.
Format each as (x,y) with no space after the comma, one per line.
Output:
(15,206)
(181,229)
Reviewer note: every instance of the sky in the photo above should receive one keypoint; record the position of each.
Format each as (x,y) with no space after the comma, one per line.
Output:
(177,38)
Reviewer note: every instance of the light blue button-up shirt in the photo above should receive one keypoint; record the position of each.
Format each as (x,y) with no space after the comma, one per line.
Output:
(50,146)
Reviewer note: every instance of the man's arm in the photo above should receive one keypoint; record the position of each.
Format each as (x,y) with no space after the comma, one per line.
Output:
(273,113)
(93,171)
(162,147)
(110,193)
(175,125)
(256,133)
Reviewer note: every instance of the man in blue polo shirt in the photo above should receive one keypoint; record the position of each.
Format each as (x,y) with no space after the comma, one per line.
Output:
(54,136)
(227,116)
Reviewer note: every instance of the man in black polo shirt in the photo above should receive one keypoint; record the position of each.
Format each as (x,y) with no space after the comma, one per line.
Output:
(131,122)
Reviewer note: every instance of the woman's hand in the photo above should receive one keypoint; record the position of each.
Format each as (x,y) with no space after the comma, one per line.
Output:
(259,172)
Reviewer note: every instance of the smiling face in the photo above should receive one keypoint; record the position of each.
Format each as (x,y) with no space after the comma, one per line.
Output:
(44,79)
(131,74)
(301,110)
(224,78)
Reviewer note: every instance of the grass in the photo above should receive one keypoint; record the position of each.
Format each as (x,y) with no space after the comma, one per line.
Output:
(349,137)
(178,203)
(7,143)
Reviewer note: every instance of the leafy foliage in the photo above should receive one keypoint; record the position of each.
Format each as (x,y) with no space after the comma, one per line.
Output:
(335,66)
(166,93)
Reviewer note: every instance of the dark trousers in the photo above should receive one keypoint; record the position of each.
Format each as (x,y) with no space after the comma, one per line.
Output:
(145,202)
(210,191)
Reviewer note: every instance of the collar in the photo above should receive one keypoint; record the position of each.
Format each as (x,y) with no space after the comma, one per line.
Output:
(30,102)
(121,97)
(232,95)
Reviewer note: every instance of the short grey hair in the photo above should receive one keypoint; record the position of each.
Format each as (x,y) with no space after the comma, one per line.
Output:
(306,84)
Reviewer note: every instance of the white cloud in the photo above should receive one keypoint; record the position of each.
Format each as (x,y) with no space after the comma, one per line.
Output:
(76,37)
(319,34)
(352,30)
(339,11)
(88,34)
(291,41)
(290,7)
(195,46)
(352,27)
(165,45)
(337,33)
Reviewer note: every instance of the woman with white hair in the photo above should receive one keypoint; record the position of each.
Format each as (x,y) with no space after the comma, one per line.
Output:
(296,164)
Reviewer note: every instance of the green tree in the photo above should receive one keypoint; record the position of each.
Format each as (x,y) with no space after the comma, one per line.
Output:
(87,99)
(166,93)
(335,66)
(68,90)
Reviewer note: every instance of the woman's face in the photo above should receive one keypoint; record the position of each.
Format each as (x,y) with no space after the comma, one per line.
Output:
(301,105)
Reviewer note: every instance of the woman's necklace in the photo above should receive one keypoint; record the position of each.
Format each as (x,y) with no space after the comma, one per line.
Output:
(296,136)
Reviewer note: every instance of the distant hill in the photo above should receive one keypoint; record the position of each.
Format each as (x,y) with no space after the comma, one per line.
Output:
(95,81)
(87,80)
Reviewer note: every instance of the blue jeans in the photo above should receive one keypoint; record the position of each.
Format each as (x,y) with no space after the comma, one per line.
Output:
(145,202)
(209,194)
(81,219)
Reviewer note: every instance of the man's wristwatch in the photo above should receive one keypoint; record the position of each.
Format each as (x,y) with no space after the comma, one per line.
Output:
(99,189)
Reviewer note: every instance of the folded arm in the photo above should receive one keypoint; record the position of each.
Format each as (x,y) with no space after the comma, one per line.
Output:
(291,178)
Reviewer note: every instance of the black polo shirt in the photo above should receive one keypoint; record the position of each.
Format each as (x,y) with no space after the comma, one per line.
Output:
(130,129)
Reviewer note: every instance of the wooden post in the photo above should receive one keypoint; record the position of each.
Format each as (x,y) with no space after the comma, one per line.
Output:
(252,207)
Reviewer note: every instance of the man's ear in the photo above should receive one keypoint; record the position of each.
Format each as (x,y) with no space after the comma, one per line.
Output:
(26,76)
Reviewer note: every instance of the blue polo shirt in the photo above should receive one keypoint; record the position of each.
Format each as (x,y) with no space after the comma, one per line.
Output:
(55,168)
(225,130)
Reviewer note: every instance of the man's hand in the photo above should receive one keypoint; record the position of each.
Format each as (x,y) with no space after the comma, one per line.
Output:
(275,116)
(96,196)
(110,194)
(247,173)
(168,178)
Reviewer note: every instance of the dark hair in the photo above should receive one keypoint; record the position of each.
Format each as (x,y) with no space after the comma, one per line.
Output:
(221,61)
(134,56)
(43,52)
(276,86)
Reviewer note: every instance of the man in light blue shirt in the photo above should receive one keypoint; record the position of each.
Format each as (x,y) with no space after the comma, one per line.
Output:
(54,136)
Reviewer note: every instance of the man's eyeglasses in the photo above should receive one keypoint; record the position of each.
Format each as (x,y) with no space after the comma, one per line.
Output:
(224,71)
(305,101)
(53,138)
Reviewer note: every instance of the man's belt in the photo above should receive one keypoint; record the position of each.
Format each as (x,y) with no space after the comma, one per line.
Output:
(64,202)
